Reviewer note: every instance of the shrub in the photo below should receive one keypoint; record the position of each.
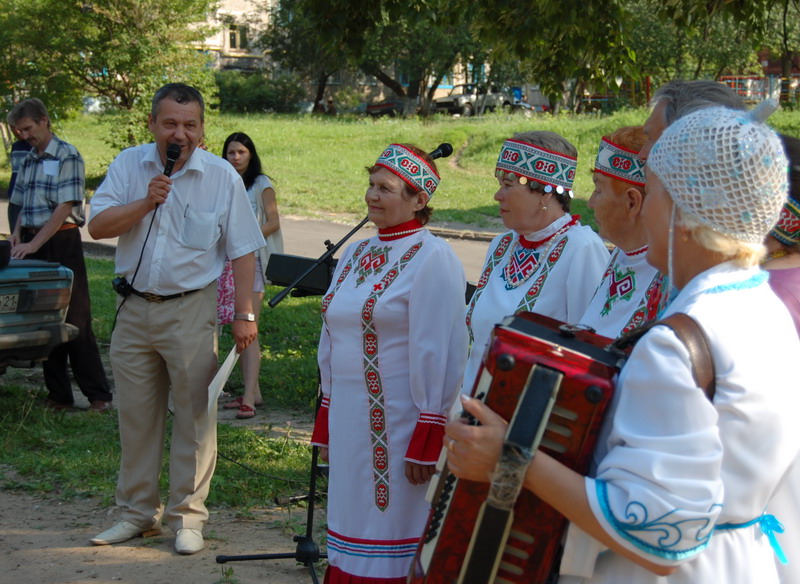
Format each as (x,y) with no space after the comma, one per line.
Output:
(254,93)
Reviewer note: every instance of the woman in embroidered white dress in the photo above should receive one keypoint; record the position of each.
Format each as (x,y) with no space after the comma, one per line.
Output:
(630,293)
(391,358)
(682,484)
(548,262)
(241,152)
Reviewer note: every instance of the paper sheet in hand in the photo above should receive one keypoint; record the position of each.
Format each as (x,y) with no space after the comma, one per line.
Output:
(215,388)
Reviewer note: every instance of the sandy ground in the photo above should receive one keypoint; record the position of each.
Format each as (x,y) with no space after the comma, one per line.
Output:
(45,541)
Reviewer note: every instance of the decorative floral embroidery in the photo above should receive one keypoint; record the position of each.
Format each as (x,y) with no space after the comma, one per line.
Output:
(372,262)
(521,264)
(653,302)
(342,277)
(663,536)
(532,295)
(494,260)
(621,286)
(373,382)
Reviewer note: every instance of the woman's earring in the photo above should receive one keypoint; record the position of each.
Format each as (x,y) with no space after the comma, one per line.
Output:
(544,207)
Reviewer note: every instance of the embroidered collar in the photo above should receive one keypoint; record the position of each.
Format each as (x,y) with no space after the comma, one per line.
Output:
(537,238)
(400,231)
(523,261)
(635,252)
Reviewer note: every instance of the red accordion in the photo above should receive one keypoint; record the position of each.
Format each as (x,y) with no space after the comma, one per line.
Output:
(553,382)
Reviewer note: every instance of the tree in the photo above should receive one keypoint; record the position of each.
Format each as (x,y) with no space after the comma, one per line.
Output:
(784,18)
(117,50)
(406,54)
(713,46)
(401,43)
(563,45)
(293,43)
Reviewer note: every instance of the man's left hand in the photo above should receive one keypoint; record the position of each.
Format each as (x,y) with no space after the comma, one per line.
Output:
(244,333)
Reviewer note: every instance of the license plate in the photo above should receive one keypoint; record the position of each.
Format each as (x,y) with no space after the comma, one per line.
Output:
(8,303)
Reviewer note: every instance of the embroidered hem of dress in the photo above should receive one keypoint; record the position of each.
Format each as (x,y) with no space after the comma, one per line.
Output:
(334,575)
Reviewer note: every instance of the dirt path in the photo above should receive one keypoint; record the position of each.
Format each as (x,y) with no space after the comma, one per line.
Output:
(44,541)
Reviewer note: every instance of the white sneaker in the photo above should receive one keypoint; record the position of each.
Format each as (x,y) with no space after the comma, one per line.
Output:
(188,541)
(123,531)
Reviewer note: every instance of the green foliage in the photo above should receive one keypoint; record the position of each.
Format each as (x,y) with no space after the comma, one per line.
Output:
(120,50)
(559,41)
(254,93)
(347,100)
(715,45)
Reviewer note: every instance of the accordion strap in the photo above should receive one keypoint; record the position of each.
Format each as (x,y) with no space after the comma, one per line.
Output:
(692,336)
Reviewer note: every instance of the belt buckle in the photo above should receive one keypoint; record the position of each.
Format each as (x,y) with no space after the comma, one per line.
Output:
(150,297)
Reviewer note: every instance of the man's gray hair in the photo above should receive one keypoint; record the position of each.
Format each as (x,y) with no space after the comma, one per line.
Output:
(32,108)
(684,97)
(180,93)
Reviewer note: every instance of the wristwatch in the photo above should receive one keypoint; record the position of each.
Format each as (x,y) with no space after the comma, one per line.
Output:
(248,316)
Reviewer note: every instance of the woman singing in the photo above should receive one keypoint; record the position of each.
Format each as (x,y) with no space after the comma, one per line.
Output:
(391,357)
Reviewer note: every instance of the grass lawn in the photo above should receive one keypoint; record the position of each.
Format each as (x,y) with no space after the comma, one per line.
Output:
(77,454)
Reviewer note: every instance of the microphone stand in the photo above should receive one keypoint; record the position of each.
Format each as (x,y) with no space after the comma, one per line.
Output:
(307,551)
(332,249)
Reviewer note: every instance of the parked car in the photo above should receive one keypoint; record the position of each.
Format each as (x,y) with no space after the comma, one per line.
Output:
(389,107)
(34,296)
(468,99)
(528,109)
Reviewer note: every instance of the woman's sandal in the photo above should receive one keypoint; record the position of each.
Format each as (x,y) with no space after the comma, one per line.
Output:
(233,404)
(236,404)
(245,412)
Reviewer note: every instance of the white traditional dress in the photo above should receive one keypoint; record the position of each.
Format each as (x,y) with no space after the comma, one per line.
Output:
(629,295)
(391,358)
(685,482)
(553,272)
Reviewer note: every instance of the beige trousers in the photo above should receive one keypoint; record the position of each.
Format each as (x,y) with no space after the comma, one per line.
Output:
(156,348)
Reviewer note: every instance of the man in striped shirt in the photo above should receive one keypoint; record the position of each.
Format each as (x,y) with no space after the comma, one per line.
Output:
(50,190)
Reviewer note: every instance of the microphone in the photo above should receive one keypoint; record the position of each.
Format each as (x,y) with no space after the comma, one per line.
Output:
(443,150)
(174,152)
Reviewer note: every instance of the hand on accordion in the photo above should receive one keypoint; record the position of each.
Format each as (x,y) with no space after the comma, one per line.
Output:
(473,451)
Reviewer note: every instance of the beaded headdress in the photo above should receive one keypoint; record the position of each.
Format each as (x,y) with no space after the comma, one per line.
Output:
(552,169)
(787,229)
(725,169)
(617,162)
(410,167)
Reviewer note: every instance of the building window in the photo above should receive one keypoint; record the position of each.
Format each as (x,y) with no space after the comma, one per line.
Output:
(237,36)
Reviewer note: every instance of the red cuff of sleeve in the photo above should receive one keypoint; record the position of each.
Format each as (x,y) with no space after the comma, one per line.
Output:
(426,443)
(320,435)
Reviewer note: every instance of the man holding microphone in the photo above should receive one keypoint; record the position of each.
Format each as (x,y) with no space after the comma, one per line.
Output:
(174,234)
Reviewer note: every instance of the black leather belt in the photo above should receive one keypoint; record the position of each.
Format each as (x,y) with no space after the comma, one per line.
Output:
(150,297)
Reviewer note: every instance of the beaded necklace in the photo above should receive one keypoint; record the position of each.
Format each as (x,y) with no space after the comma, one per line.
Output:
(389,233)
(523,263)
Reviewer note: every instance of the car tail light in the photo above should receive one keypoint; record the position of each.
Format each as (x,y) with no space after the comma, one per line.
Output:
(43,300)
